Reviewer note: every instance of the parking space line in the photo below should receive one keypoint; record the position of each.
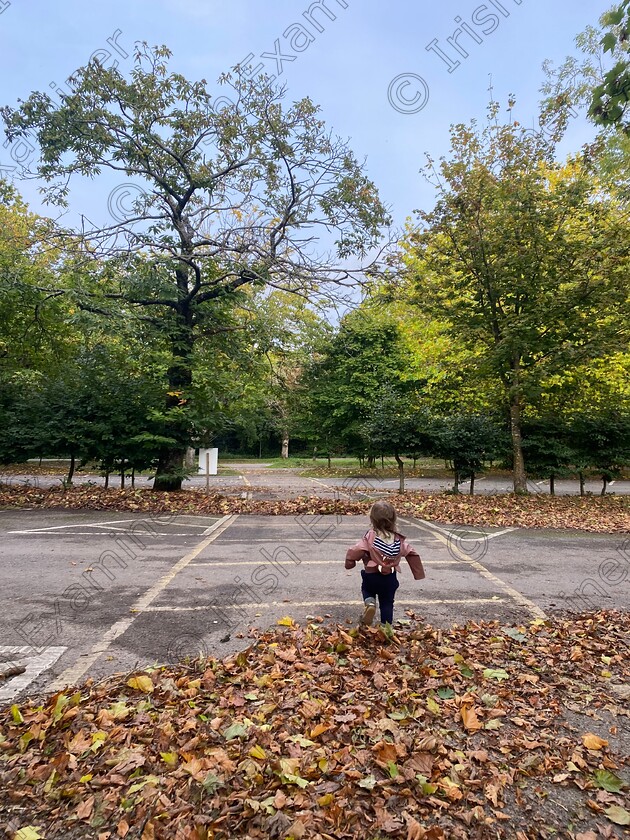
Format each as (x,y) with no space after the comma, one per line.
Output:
(145,534)
(480,534)
(494,599)
(34,665)
(74,525)
(72,674)
(514,594)
(214,563)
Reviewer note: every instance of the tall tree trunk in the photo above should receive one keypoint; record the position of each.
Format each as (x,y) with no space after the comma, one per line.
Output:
(171,458)
(581,475)
(106,479)
(520,478)
(604,485)
(122,474)
(401,473)
(285,445)
(552,485)
(472,484)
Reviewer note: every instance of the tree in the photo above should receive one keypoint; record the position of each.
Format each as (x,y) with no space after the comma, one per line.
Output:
(396,425)
(98,407)
(344,384)
(468,441)
(524,258)
(234,195)
(609,105)
(602,441)
(597,79)
(546,442)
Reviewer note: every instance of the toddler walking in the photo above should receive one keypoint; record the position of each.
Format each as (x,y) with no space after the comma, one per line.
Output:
(381,550)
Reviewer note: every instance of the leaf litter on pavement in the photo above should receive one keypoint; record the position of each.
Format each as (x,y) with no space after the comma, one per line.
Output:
(608,514)
(324,731)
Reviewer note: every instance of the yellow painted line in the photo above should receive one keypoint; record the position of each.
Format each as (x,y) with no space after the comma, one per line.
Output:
(289,605)
(72,674)
(514,594)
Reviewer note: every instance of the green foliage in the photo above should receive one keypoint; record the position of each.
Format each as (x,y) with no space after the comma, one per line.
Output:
(468,441)
(234,197)
(609,105)
(343,387)
(524,259)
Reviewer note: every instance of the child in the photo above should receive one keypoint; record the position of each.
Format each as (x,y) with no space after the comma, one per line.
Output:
(381,550)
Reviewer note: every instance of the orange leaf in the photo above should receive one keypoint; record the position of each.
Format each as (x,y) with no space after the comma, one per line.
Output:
(319,730)
(593,742)
(470,719)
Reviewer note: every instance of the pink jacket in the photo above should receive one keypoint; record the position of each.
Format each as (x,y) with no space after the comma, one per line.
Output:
(372,558)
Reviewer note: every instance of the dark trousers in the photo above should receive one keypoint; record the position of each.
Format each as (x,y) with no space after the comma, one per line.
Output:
(374,584)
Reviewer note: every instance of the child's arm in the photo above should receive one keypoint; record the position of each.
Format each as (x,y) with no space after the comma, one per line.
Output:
(355,553)
(413,558)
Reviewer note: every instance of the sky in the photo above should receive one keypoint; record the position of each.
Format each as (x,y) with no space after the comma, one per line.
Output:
(383,73)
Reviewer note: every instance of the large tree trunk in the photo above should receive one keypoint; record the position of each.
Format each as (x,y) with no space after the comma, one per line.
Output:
(170,467)
(520,478)
(168,476)
(285,445)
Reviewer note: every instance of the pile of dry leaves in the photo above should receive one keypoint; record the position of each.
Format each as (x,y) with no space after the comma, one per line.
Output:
(607,514)
(320,732)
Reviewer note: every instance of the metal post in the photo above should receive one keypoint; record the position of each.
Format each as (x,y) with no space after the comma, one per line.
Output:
(207,472)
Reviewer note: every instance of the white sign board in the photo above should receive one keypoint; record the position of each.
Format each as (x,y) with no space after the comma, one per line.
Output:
(208,458)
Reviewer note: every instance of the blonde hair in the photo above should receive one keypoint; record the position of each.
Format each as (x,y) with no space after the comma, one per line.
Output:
(383,517)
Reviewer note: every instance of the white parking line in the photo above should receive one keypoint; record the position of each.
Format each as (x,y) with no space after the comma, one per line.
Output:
(112,531)
(481,534)
(214,563)
(35,665)
(516,596)
(241,541)
(494,599)
(71,675)
(74,525)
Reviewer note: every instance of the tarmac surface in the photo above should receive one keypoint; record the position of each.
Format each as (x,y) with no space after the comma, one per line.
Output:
(265,482)
(92,593)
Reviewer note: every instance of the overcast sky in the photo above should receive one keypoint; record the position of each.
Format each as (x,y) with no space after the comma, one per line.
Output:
(368,68)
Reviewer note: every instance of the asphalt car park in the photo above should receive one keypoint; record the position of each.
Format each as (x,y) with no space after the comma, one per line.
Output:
(91,593)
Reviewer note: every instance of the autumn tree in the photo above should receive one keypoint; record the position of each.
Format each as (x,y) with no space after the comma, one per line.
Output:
(525,258)
(236,192)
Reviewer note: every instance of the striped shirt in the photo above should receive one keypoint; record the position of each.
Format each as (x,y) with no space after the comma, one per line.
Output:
(387,549)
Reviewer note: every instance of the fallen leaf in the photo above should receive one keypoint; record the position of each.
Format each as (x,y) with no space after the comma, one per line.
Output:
(593,742)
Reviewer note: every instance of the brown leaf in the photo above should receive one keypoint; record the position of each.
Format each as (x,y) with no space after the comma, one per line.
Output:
(149,832)
(84,811)
(470,719)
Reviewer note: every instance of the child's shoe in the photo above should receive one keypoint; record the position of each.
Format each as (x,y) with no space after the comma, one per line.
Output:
(368,613)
